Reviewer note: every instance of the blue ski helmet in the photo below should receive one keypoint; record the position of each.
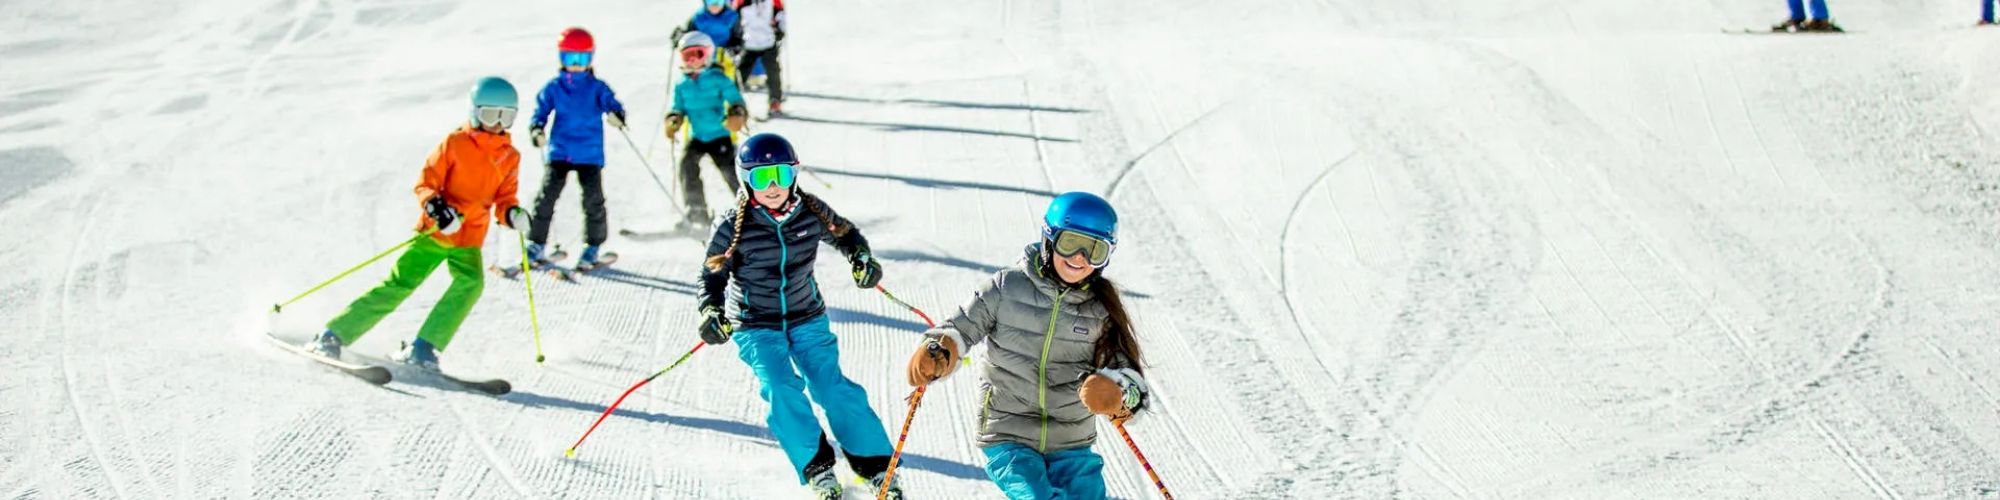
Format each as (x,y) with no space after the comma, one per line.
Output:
(493,92)
(1081,212)
(765,149)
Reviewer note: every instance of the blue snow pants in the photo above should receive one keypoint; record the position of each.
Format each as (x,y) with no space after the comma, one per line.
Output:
(1023,474)
(808,350)
(1798,8)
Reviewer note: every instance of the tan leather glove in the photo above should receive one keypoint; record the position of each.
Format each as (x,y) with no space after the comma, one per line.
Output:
(1115,394)
(929,363)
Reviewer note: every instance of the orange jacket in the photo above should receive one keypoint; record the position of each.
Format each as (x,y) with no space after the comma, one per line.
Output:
(477,172)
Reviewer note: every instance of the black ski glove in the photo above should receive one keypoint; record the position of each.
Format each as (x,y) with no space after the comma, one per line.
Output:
(538,137)
(715,328)
(867,272)
(442,213)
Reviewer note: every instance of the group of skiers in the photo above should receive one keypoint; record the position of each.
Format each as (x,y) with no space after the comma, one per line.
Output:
(1062,348)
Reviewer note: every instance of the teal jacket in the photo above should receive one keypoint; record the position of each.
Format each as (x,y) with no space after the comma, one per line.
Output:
(704,98)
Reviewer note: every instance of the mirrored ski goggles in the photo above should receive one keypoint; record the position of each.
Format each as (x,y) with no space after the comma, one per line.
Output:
(490,116)
(695,54)
(1071,243)
(718,3)
(576,59)
(764,177)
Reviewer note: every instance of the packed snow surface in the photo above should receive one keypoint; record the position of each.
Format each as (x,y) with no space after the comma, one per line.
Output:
(1375,249)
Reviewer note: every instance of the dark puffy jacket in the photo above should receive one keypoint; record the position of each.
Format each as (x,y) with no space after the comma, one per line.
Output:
(771,272)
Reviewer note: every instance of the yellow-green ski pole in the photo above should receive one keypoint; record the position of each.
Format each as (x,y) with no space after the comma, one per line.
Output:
(528,282)
(357,267)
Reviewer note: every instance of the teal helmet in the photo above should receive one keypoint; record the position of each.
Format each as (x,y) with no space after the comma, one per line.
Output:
(495,92)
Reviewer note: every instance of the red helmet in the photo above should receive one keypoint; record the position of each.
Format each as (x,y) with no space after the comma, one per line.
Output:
(576,40)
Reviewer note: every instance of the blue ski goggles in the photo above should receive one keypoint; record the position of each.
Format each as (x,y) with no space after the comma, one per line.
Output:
(489,116)
(1071,243)
(576,59)
(763,177)
(717,3)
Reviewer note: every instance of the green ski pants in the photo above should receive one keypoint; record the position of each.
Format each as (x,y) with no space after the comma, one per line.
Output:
(416,264)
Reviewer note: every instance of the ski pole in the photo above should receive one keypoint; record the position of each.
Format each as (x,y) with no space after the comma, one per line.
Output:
(279,307)
(571,452)
(649,170)
(823,182)
(528,283)
(916,397)
(1142,460)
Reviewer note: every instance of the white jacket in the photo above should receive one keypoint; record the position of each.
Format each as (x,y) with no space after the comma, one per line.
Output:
(762,20)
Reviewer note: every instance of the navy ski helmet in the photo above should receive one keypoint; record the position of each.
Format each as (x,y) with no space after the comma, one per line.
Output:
(1081,212)
(765,149)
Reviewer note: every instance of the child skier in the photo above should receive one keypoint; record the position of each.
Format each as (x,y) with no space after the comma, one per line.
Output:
(717,19)
(763,29)
(1062,349)
(1820,21)
(581,104)
(767,245)
(711,102)
(470,175)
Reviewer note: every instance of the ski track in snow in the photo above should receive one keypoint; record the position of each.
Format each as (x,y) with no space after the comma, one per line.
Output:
(1397,250)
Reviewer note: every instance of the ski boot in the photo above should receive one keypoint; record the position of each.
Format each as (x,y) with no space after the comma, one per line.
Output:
(326,344)
(588,259)
(1787,26)
(895,489)
(776,108)
(825,486)
(1821,26)
(419,353)
(535,254)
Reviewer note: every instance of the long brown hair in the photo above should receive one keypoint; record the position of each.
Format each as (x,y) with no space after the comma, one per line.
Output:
(834,224)
(1119,339)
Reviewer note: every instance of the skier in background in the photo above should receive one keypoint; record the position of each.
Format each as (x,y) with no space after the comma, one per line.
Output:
(763,32)
(1061,348)
(766,246)
(1986,12)
(713,107)
(719,20)
(575,142)
(473,173)
(1820,21)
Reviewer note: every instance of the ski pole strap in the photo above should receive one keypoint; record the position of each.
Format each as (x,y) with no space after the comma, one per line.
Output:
(528,283)
(1142,461)
(357,267)
(571,452)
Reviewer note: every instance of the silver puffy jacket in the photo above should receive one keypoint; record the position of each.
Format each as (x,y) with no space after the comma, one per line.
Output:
(1038,357)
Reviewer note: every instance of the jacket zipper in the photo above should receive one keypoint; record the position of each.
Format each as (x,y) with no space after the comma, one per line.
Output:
(1048,339)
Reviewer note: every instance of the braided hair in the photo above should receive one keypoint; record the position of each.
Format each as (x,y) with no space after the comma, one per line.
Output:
(834,224)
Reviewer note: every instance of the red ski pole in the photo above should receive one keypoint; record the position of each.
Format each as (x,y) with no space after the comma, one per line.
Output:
(915,398)
(1142,460)
(571,452)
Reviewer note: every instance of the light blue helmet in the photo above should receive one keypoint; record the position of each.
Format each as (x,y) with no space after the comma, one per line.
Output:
(1081,212)
(493,92)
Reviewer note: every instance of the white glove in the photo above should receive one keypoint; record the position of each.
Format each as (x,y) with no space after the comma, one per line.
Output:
(1133,385)
(615,120)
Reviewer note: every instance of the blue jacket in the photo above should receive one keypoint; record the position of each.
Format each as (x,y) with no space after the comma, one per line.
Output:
(579,101)
(705,98)
(723,29)
(770,275)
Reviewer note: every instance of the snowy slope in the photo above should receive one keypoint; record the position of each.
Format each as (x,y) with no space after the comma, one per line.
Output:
(1504,249)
